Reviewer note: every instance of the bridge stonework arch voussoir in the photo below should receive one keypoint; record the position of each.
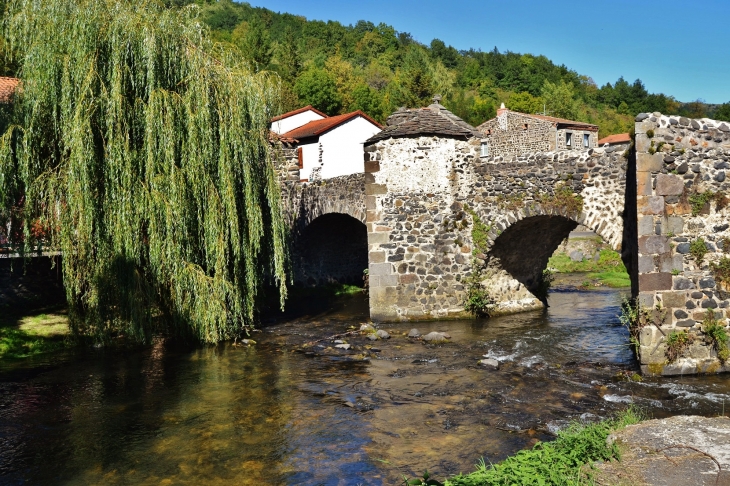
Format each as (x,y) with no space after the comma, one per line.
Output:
(305,202)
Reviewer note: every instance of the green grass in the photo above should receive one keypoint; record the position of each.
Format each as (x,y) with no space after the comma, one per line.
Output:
(608,270)
(324,291)
(560,462)
(22,336)
(615,280)
(608,260)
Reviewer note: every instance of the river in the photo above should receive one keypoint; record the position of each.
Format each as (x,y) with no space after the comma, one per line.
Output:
(278,412)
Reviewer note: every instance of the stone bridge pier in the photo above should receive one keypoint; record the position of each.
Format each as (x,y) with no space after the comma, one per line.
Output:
(440,216)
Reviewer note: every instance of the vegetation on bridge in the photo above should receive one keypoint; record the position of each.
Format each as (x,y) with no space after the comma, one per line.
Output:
(141,148)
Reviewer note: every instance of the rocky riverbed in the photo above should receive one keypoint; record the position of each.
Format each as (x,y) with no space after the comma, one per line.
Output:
(315,400)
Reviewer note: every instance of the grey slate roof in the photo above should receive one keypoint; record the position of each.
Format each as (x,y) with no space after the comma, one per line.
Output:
(431,120)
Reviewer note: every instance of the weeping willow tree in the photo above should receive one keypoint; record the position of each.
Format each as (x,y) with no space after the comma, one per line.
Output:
(142,149)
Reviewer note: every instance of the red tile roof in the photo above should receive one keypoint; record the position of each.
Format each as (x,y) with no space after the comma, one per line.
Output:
(275,137)
(296,112)
(8,87)
(318,127)
(618,138)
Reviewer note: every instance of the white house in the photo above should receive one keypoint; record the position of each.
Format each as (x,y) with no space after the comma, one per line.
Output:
(294,119)
(332,146)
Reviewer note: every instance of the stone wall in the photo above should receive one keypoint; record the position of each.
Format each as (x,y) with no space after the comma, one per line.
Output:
(576,141)
(426,196)
(513,133)
(677,160)
(304,202)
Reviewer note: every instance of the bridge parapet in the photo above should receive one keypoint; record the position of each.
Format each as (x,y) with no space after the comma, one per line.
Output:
(683,211)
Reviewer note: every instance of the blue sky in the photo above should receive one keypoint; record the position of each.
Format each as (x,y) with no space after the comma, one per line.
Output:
(680,48)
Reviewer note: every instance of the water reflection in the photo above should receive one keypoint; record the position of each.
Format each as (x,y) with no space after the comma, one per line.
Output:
(272,414)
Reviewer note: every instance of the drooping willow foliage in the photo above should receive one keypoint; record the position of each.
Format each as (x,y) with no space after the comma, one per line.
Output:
(142,149)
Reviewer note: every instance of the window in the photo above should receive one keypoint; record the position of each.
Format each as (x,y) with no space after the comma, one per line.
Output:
(485,149)
(586,140)
(568,139)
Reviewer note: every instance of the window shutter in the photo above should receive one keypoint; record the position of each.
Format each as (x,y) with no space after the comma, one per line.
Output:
(300,158)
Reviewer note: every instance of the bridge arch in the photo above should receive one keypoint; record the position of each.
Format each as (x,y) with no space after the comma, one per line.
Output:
(332,248)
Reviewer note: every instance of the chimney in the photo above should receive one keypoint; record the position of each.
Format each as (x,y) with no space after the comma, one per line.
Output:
(502,110)
(436,99)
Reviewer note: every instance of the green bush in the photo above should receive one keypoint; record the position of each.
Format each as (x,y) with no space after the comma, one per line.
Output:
(717,336)
(677,343)
(698,250)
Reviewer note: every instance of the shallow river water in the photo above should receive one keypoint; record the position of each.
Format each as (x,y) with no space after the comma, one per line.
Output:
(292,409)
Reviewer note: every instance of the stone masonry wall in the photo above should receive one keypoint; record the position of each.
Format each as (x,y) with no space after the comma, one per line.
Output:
(422,198)
(577,139)
(677,159)
(305,202)
(517,134)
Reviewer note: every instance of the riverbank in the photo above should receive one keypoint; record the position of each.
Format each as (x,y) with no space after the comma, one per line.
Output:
(28,334)
(628,450)
(560,462)
(590,256)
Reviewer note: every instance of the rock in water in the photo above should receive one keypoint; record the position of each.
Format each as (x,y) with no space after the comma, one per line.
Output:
(414,333)
(367,328)
(382,334)
(490,363)
(435,337)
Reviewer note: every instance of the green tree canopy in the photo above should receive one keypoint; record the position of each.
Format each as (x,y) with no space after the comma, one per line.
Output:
(144,150)
(559,99)
(318,88)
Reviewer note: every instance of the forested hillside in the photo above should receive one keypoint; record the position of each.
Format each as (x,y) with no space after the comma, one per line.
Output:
(375,68)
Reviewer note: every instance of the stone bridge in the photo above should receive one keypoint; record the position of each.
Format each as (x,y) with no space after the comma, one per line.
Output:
(328,234)
(438,217)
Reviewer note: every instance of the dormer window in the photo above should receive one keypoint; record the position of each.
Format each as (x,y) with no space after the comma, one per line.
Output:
(484,149)
(586,140)
(568,139)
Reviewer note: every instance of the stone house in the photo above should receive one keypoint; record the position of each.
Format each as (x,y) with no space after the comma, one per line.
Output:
(512,133)
(332,146)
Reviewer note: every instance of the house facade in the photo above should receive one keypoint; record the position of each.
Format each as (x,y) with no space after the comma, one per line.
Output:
(295,119)
(513,133)
(332,146)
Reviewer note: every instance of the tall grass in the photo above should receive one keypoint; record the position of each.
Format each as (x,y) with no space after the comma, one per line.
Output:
(557,463)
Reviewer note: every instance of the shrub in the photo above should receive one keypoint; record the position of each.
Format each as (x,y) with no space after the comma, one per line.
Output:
(716,335)
(721,268)
(698,250)
(677,343)
(477,301)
